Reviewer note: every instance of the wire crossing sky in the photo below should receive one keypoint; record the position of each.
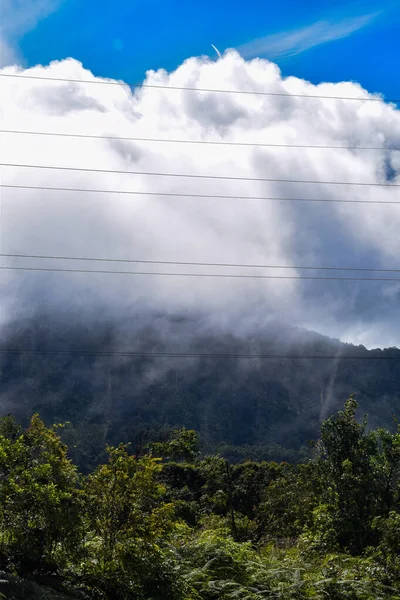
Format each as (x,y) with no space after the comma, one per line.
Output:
(199,89)
(212,142)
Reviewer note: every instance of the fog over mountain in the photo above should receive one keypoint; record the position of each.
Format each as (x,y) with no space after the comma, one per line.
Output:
(234,401)
(138,377)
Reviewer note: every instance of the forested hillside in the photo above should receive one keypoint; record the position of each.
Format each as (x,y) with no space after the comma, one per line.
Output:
(172,523)
(100,377)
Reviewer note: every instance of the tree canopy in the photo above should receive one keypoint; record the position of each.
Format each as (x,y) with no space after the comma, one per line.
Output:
(171,522)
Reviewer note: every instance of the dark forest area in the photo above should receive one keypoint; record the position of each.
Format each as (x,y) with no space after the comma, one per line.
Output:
(118,381)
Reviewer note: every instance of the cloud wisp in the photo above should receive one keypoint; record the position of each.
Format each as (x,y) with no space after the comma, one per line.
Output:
(17,18)
(295,41)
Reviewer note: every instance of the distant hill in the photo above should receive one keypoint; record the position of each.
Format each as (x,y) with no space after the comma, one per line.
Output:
(246,407)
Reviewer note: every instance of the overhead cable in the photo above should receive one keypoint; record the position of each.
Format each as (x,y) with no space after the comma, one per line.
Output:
(183,141)
(99,81)
(213,275)
(197,175)
(337,356)
(195,264)
(205,196)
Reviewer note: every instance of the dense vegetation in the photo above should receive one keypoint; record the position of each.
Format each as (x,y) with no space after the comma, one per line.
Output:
(241,408)
(162,521)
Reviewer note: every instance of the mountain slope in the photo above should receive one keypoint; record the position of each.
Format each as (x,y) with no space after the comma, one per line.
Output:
(261,402)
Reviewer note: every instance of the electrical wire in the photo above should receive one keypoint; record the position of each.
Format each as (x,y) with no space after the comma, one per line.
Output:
(193,89)
(212,142)
(199,355)
(205,196)
(196,175)
(213,275)
(196,264)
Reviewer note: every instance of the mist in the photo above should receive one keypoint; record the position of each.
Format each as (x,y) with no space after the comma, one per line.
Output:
(174,228)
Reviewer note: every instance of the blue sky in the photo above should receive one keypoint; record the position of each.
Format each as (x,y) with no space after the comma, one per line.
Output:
(124,38)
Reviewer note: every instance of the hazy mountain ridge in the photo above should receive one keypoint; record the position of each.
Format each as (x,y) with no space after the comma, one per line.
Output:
(237,402)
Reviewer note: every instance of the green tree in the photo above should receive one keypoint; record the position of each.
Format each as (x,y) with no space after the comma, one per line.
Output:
(40,509)
(358,475)
(287,505)
(182,446)
(129,523)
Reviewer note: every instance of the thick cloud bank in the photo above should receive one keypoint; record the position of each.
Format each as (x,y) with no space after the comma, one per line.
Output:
(176,228)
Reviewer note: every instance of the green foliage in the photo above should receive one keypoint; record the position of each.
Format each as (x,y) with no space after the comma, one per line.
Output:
(182,446)
(40,517)
(358,479)
(128,523)
(287,504)
(168,523)
(218,568)
(387,552)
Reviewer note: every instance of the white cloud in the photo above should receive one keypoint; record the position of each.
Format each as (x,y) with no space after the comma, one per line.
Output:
(206,230)
(295,41)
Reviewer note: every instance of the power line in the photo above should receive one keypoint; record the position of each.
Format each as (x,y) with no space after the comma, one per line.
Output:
(195,264)
(213,275)
(194,89)
(196,355)
(180,141)
(196,176)
(181,195)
